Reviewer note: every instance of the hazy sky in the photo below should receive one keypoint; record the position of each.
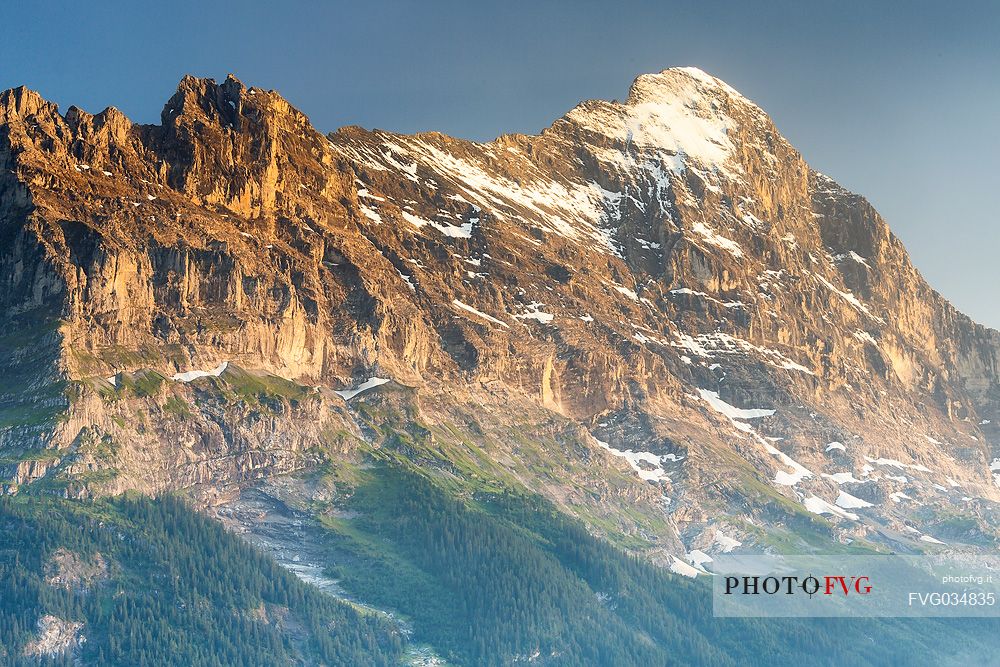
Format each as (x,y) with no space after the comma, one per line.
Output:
(901,105)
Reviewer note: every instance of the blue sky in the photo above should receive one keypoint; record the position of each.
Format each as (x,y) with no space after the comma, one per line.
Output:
(899,101)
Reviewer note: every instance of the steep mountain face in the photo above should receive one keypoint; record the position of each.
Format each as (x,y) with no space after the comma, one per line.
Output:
(653,312)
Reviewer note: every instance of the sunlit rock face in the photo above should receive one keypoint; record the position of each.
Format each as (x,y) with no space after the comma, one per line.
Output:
(653,312)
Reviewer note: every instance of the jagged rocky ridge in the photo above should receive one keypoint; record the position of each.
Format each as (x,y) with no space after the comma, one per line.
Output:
(653,312)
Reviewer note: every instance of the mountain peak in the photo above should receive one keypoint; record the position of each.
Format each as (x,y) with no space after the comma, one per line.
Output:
(22,102)
(682,112)
(229,105)
(206,98)
(686,85)
(669,77)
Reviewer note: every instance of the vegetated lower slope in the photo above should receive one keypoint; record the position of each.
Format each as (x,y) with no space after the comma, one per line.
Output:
(501,577)
(136,581)
(485,578)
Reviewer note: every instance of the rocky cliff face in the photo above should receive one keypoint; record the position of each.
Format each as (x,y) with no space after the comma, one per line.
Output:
(654,312)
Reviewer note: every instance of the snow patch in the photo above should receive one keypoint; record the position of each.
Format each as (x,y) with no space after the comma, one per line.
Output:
(849,298)
(651,460)
(843,478)
(670,114)
(898,464)
(194,375)
(865,337)
(799,472)
(734,414)
(698,558)
(469,309)
(463,231)
(847,501)
(363,192)
(572,210)
(730,411)
(680,567)
(817,505)
(535,312)
(725,542)
(408,280)
(716,343)
(371,214)
(370,383)
(717,240)
(627,292)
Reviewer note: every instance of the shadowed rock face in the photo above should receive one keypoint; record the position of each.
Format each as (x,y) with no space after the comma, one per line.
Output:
(653,312)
